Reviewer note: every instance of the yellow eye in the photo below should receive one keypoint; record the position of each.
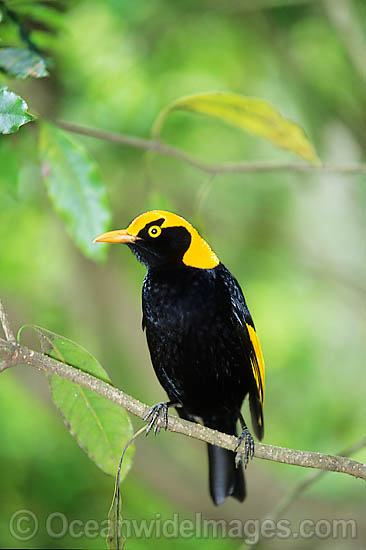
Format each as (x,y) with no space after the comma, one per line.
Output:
(154,231)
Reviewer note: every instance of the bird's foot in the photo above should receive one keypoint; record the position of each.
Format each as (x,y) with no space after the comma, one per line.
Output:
(248,451)
(157,417)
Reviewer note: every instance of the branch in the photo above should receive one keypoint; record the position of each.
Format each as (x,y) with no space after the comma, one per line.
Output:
(294,493)
(5,324)
(222,168)
(19,355)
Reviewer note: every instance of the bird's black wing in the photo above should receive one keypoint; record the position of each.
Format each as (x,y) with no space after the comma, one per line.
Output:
(243,325)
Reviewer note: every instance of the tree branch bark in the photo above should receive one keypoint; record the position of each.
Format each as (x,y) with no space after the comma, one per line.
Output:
(6,325)
(222,168)
(14,354)
(304,484)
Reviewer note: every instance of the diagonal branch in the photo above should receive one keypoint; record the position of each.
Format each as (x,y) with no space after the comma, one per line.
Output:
(296,491)
(21,355)
(222,168)
(5,324)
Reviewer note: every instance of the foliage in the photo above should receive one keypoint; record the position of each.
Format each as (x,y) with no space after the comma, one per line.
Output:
(254,115)
(22,63)
(75,188)
(13,111)
(100,427)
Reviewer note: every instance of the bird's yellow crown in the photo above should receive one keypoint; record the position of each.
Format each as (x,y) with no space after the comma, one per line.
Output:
(199,253)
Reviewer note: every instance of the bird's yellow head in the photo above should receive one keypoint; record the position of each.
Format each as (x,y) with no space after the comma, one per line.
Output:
(159,238)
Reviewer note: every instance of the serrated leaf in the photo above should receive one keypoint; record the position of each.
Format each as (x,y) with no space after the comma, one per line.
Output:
(75,188)
(13,111)
(100,427)
(22,63)
(256,116)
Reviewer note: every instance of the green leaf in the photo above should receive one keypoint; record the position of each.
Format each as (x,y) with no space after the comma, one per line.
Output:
(100,427)
(75,188)
(22,63)
(256,116)
(13,111)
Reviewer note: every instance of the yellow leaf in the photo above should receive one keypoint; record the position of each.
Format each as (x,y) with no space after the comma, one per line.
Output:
(256,116)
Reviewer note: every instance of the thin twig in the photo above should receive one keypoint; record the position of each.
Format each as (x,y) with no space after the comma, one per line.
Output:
(6,325)
(296,491)
(227,167)
(115,519)
(21,355)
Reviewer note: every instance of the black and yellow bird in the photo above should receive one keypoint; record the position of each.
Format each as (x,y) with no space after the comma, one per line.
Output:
(201,336)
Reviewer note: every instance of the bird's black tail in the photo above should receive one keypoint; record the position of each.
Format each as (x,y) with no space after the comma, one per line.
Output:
(224,477)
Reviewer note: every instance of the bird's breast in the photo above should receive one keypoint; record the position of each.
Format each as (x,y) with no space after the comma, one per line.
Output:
(194,350)
(180,298)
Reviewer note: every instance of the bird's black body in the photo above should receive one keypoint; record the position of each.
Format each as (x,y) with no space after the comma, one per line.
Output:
(193,320)
(200,336)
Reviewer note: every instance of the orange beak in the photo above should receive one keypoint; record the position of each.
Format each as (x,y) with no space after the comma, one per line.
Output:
(117,236)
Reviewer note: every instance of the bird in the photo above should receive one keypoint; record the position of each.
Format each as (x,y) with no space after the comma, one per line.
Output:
(202,340)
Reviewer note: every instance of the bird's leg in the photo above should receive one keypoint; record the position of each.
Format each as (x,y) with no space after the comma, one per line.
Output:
(158,416)
(248,451)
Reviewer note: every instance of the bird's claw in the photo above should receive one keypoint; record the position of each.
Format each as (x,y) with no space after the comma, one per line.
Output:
(157,417)
(248,451)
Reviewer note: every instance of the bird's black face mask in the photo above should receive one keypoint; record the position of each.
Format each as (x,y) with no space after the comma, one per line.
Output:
(161,247)
(163,239)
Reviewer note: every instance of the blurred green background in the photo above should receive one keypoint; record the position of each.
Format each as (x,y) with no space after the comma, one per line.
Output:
(296,243)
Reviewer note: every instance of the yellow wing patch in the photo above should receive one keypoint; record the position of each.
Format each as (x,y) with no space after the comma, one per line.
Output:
(257,362)
(199,253)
